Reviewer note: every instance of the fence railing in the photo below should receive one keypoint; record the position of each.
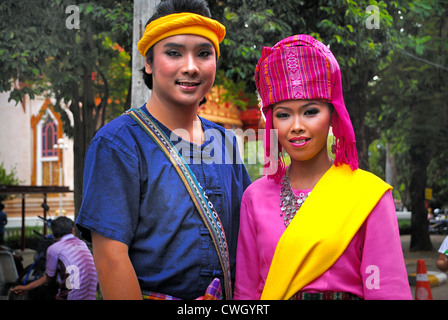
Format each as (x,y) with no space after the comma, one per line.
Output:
(17,232)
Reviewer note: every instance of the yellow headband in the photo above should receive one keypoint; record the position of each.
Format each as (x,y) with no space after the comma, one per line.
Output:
(181,23)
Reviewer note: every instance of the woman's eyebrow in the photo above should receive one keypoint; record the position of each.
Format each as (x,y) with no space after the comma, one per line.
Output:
(303,106)
(281,107)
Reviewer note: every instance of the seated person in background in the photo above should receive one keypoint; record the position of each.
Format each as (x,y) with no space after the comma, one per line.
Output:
(69,262)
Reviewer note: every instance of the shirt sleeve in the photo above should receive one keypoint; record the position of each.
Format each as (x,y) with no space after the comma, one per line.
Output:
(111,192)
(383,269)
(51,263)
(248,278)
(444,246)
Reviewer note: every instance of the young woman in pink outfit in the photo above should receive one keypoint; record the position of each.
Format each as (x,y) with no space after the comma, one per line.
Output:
(319,228)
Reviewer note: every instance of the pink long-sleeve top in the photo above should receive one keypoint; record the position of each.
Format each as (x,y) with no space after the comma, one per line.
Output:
(372,267)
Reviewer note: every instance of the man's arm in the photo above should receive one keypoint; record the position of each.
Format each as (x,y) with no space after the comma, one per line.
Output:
(22,289)
(442,262)
(116,274)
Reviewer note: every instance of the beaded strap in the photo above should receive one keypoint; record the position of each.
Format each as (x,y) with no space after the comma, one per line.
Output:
(201,201)
(324,296)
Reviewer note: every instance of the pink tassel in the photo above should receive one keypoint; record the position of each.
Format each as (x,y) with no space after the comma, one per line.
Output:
(346,153)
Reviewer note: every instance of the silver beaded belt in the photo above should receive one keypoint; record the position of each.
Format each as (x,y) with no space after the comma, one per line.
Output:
(324,296)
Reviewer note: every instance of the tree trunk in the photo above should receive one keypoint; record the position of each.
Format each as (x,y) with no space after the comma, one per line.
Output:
(79,151)
(419,220)
(420,239)
(357,109)
(143,10)
(78,142)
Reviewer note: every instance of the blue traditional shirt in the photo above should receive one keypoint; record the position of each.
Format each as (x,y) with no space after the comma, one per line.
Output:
(133,194)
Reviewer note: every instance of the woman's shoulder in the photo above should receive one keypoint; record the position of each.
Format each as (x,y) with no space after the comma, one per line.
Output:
(263,185)
(359,176)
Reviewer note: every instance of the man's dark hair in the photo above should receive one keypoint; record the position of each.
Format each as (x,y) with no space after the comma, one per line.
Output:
(61,226)
(170,7)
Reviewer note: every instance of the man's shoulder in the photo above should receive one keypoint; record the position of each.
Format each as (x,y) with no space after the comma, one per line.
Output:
(113,128)
(211,125)
(122,133)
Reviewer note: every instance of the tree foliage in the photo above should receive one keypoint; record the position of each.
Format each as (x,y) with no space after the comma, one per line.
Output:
(70,55)
(411,96)
(7,178)
(341,24)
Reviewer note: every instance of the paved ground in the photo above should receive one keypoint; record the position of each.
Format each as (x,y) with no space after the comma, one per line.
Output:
(439,289)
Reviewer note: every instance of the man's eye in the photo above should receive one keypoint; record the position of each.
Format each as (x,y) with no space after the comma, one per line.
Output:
(205,54)
(172,53)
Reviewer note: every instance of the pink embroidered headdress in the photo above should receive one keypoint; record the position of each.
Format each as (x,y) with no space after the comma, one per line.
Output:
(300,67)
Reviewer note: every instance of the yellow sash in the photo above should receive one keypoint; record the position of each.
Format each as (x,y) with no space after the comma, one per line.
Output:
(322,229)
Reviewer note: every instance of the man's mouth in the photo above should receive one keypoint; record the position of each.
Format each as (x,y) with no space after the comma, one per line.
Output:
(188,84)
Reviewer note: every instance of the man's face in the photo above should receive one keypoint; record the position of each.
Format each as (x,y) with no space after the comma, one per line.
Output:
(183,69)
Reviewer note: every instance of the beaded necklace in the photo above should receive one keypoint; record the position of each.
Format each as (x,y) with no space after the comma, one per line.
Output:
(290,203)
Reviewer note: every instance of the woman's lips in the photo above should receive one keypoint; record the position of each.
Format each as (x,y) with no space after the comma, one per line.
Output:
(299,141)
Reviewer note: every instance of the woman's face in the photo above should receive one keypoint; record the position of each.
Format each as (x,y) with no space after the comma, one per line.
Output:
(183,69)
(303,127)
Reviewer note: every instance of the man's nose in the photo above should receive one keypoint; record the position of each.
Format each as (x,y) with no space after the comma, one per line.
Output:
(190,65)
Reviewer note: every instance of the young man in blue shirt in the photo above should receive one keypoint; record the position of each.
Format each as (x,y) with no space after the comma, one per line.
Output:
(148,237)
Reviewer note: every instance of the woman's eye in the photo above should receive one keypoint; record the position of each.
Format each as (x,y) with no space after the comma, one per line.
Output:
(281,115)
(311,111)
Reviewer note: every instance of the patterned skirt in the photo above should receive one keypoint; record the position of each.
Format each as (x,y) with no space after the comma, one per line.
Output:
(213,292)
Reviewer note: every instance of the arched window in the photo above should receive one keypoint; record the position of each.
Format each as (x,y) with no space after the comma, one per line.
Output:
(49,138)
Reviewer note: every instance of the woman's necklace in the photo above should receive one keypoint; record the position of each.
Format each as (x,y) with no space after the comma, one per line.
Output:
(289,202)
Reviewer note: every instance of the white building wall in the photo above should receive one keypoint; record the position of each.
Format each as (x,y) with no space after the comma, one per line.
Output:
(16,139)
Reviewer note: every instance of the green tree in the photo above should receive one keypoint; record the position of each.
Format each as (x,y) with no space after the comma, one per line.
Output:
(7,178)
(63,48)
(412,93)
(342,24)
